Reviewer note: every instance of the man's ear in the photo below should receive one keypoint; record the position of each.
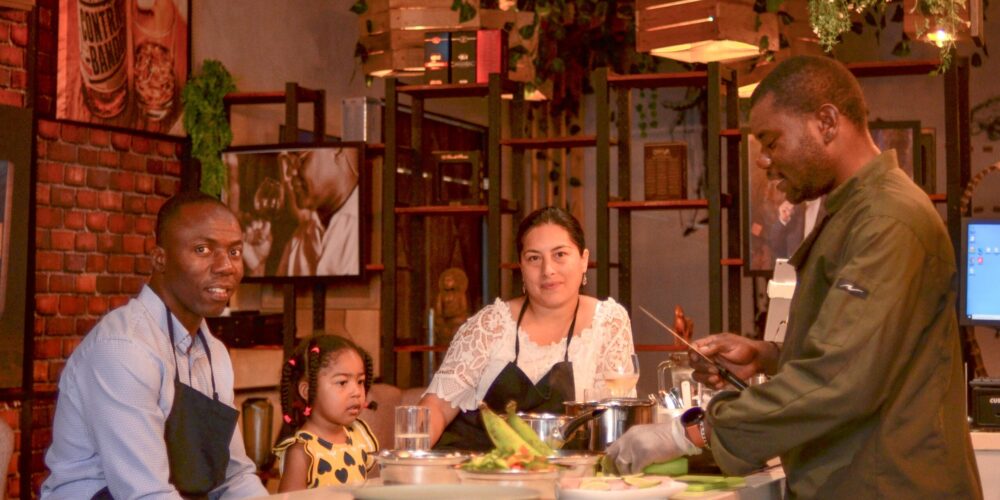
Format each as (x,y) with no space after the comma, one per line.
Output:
(304,390)
(159,259)
(829,122)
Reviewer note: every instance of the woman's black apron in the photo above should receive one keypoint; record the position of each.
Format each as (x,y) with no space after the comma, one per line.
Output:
(198,431)
(466,431)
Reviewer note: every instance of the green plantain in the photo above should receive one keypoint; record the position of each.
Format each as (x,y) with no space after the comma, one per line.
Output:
(526,432)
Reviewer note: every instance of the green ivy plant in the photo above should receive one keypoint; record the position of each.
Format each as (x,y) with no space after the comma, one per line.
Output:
(206,124)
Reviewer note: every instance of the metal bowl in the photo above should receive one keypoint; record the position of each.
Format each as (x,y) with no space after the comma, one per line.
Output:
(419,467)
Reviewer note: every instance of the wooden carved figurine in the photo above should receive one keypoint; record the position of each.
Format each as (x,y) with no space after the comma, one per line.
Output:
(451,307)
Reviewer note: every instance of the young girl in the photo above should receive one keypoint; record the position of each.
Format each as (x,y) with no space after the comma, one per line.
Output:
(323,386)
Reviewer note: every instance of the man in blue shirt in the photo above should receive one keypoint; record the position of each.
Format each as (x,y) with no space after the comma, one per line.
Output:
(145,404)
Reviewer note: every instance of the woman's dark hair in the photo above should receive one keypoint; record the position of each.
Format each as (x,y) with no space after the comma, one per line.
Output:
(309,357)
(551,215)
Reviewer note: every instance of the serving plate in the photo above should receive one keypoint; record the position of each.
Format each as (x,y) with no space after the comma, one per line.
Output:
(667,487)
(439,491)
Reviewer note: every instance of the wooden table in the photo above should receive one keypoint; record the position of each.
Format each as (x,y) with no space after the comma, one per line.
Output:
(765,485)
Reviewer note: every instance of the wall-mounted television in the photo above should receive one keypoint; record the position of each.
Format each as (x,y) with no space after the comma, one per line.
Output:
(303,209)
(979,270)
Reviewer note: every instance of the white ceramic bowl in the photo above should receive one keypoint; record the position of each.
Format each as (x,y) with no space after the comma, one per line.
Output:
(419,467)
(544,482)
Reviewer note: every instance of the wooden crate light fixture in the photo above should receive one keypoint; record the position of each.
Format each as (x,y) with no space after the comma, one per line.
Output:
(392,32)
(703,31)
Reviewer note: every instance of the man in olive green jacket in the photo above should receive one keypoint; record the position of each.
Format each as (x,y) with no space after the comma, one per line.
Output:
(866,398)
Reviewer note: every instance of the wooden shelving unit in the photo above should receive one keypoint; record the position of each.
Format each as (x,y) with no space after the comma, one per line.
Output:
(721,85)
(494,208)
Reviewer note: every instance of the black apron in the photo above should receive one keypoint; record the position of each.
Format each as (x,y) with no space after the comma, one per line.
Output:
(198,431)
(466,431)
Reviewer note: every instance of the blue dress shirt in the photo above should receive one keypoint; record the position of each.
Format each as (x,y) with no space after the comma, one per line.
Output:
(114,397)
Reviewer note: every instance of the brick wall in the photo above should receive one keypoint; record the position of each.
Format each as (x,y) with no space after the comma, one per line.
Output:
(97,195)
(13,55)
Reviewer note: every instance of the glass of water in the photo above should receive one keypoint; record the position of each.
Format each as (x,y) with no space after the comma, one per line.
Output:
(413,430)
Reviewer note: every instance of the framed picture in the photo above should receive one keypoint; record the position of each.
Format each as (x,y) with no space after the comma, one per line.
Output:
(123,63)
(16,149)
(303,208)
(904,137)
(6,199)
(773,227)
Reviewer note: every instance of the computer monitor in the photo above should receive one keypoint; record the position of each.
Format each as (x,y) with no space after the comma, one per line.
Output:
(979,270)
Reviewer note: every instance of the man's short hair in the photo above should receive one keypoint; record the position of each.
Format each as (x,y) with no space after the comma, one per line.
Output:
(172,207)
(802,84)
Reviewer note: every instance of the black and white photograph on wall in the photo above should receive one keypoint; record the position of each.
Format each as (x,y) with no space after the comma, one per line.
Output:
(301,208)
(904,137)
(773,227)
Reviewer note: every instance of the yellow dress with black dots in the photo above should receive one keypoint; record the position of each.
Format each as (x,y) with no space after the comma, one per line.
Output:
(333,464)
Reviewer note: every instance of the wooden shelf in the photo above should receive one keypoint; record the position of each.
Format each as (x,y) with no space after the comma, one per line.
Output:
(730,132)
(658,205)
(270,97)
(506,206)
(666,204)
(893,68)
(452,90)
(443,210)
(737,262)
(938,197)
(576,141)
(375,267)
(656,80)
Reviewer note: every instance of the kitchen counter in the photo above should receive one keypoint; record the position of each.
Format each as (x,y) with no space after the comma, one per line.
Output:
(765,485)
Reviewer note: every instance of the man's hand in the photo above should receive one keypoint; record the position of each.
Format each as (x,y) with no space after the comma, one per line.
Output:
(645,444)
(740,355)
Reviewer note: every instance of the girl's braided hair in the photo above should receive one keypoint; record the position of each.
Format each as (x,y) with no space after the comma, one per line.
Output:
(308,358)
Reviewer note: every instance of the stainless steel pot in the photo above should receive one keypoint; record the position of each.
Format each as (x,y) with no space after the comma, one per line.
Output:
(557,430)
(620,414)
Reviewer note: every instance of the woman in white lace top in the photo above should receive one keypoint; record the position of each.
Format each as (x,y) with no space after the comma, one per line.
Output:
(539,349)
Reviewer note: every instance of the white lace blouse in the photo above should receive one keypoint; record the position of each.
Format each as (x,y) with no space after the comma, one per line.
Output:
(485,344)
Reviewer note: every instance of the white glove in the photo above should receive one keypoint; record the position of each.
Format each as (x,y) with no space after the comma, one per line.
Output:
(645,444)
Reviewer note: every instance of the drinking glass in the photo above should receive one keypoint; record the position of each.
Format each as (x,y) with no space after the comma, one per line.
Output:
(268,199)
(413,428)
(620,377)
